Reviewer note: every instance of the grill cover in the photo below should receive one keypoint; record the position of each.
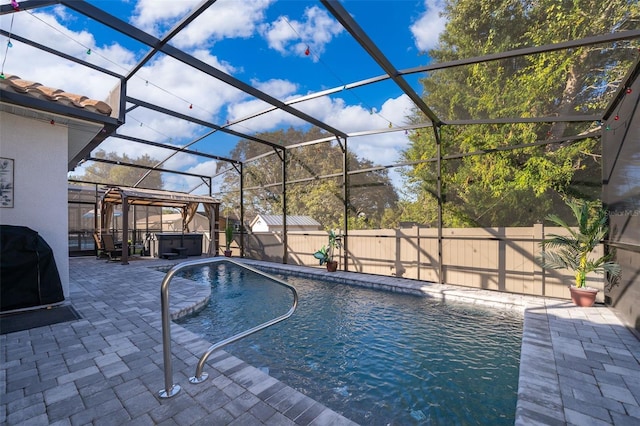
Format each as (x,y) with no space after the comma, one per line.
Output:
(28,272)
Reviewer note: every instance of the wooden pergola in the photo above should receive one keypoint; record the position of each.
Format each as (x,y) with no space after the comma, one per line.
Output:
(187,203)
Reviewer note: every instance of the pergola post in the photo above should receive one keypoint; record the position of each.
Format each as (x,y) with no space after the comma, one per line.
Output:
(214,227)
(125,229)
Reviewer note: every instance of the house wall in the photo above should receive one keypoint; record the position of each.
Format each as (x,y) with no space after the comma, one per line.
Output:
(40,178)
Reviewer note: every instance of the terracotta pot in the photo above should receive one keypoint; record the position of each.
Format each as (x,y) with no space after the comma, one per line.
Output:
(583,297)
(332,266)
(227,253)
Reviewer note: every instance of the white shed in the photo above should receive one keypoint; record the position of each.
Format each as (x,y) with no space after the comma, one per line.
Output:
(273,223)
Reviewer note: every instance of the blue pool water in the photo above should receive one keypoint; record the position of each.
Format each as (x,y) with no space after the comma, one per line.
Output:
(378,358)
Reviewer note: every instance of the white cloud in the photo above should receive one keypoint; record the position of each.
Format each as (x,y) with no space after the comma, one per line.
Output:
(206,168)
(264,122)
(52,70)
(180,88)
(381,149)
(281,89)
(356,118)
(174,85)
(223,19)
(180,161)
(133,150)
(278,88)
(429,25)
(176,182)
(314,32)
(179,183)
(155,17)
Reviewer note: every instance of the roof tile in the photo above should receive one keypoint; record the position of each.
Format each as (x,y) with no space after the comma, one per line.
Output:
(37,90)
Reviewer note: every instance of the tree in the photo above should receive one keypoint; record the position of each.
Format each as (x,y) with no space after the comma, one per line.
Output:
(108,173)
(315,181)
(517,187)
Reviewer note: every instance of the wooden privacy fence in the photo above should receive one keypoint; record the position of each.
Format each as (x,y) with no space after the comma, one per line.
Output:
(501,259)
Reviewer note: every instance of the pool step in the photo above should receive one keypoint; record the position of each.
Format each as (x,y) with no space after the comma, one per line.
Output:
(175,253)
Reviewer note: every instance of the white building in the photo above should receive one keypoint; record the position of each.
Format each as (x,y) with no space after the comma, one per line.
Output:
(274,223)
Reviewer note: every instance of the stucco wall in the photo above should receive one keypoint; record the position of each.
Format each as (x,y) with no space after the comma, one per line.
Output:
(40,177)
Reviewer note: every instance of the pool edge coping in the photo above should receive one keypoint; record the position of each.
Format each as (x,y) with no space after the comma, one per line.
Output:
(440,292)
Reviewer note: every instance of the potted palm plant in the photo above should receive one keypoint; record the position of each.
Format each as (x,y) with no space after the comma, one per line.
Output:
(326,253)
(574,251)
(228,235)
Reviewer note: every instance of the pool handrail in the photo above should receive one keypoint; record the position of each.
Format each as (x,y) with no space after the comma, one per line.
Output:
(171,389)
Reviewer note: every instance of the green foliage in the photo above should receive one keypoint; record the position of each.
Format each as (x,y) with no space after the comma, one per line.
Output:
(489,183)
(325,253)
(573,251)
(315,187)
(121,175)
(228,235)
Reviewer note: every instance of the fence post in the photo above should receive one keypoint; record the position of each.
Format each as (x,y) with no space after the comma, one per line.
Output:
(419,250)
(538,271)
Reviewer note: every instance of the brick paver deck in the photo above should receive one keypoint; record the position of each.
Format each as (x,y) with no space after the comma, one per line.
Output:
(578,366)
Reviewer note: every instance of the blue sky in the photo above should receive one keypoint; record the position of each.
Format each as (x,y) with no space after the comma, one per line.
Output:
(263,43)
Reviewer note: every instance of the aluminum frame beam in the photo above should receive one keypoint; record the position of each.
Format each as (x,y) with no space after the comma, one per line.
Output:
(345,19)
(157,108)
(572,44)
(129,30)
(174,148)
(140,166)
(171,34)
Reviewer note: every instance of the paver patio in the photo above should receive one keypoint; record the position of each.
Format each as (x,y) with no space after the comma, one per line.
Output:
(578,365)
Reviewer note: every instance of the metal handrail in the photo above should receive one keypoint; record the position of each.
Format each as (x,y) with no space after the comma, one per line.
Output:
(171,388)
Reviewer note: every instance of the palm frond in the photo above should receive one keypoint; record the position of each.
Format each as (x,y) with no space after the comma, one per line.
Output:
(561,259)
(573,251)
(561,241)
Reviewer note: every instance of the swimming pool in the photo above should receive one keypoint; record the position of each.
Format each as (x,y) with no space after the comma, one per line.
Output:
(376,357)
